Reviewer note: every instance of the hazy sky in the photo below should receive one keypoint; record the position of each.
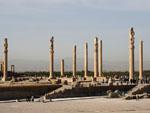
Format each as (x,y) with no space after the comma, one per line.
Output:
(29,24)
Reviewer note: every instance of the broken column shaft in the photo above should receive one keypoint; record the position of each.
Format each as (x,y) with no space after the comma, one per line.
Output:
(74,61)
(86,60)
(51,58)
(141,61)
(100,58)
(13,71)
(62,67)
(131,55)
(95,57)
(5,66)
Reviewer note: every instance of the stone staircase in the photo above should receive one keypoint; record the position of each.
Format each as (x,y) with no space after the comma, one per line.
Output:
(78,90)
(138,92)
(58,93)
(139,89)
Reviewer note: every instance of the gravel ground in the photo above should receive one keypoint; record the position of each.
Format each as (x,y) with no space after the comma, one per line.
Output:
(78,105)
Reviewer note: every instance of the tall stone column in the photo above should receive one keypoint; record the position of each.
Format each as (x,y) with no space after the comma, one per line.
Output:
(141,61)
(5,66)
(131,55)
(62,67)
(100,58)
(51,58)
(85,60)
(95,57)
(74,61)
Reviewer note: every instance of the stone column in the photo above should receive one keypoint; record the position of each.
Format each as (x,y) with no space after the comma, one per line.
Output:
(12,68)
(100,58)
(131,55)
(141,61)
(13,71)
(51,58)
(95,57)
(74,61)
(62,68)
(5,66)
(2,67)
(85,60)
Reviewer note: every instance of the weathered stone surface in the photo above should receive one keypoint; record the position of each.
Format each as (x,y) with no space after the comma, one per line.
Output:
(100,59)
(95,57)
(131,54)
(74,65)
(51,58)
(141,61)
(5,65)
(86,60)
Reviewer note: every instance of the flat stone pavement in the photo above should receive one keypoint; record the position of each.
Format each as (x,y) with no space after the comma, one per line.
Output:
(78,105)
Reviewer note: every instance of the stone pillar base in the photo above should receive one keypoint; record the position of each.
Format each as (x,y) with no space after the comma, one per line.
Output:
(85,78)
(62,76)
(51,78)
(13,79)
(132,81)
(3,79)
(140,81)
(74,79)
(95,79)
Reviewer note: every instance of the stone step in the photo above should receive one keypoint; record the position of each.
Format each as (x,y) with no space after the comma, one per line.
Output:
(138,89)
(56,92)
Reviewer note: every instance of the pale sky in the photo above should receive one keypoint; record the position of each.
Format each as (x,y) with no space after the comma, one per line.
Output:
(29,24)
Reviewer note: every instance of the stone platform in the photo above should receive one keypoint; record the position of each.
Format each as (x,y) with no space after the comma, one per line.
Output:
(21,91)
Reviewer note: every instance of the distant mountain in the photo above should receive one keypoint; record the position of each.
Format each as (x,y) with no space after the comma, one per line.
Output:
(41,65)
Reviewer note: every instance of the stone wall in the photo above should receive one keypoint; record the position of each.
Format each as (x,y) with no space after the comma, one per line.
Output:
(10,92)
(88,91)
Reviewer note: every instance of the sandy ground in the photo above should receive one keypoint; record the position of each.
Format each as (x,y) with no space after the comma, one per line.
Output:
(78,105)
